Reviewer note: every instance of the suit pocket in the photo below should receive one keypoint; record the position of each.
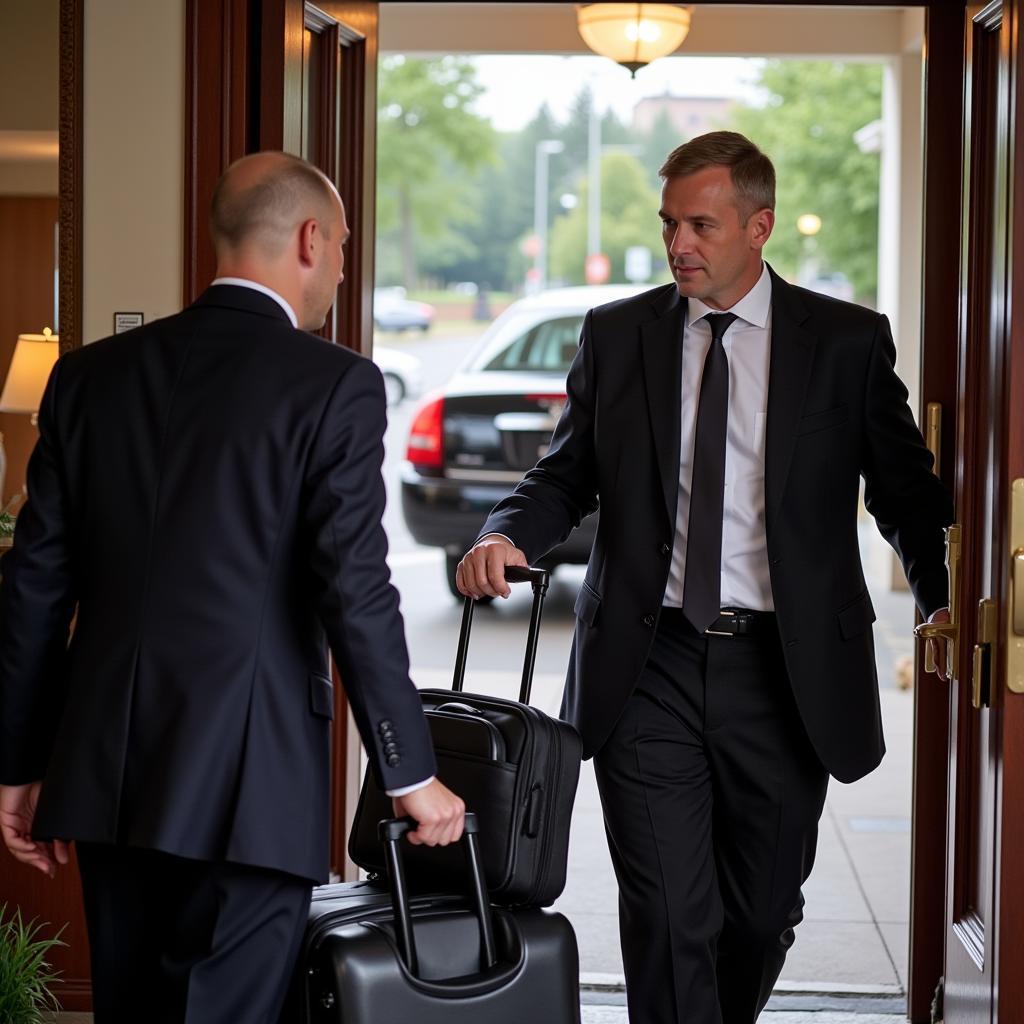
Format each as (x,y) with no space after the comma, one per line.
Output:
(588,604)
(321,695)
(856,618)
(824,420)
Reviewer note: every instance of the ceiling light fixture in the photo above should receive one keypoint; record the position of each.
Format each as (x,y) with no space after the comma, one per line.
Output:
(633,35)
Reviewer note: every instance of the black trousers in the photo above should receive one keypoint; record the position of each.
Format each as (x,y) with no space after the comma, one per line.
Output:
(712,795)
(178,941)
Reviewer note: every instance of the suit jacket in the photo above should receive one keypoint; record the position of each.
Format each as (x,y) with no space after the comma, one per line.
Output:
(206,491)
(836,412)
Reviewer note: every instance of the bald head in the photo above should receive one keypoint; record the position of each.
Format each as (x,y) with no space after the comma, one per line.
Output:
(261,199)
(278,221)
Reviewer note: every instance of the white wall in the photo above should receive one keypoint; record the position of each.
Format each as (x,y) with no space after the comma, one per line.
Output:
(133,173)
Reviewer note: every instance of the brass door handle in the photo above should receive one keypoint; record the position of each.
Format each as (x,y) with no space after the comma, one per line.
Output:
(937,631)
(948,631)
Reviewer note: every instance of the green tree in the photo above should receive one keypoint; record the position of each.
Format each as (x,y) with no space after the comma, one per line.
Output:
(662,138)
(426,131)
(629,216)
(807,126)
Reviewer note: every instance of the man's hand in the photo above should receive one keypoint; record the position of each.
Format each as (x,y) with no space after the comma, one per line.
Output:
(938,647)
(17,812)
(440,814)
(482,572)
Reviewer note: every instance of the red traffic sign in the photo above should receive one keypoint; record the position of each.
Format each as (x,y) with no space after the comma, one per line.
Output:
(598,268)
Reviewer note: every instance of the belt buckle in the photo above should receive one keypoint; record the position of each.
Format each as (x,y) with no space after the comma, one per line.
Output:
(718,632)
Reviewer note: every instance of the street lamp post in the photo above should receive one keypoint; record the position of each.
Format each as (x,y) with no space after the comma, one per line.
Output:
(808,224)
(540,208)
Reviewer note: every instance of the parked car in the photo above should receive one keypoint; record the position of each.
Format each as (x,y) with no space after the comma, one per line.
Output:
(392,311)
(403,373)
(471,442)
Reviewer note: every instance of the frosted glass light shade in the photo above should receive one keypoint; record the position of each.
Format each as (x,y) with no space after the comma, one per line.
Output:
(34,356)
(633,34)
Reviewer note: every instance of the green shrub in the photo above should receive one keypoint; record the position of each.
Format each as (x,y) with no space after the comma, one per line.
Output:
(25,974)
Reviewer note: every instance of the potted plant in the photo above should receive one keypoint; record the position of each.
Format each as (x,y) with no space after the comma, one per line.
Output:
(7,519)
(26,975)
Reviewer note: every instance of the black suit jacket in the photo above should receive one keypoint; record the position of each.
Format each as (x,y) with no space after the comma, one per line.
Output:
(836,411)
(207,491)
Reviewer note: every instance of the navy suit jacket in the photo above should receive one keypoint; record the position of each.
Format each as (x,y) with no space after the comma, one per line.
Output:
(836,412)
(206,494)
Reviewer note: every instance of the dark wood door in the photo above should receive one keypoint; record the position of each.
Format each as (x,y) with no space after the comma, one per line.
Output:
(983,907)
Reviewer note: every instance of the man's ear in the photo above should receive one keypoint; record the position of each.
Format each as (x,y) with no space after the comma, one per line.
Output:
(309,241)
(761,224)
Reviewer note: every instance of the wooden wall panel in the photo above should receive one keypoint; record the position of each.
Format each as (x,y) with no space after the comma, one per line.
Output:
(27,263)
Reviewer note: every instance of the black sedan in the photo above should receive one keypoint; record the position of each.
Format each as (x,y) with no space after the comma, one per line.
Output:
(471,442)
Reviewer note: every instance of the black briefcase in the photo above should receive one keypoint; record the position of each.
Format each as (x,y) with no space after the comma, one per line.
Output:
(517,767)
(370,957)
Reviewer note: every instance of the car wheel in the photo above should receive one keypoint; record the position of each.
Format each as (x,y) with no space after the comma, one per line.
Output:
(424,327)
(394,389)
(451,563)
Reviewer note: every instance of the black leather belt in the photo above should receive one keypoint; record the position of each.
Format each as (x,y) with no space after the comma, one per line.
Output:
(742,622)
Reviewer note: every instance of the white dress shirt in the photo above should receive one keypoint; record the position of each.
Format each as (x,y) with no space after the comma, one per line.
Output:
(747,343)
(243,282)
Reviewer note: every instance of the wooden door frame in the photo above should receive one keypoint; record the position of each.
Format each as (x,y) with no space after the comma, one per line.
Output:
(1010,897)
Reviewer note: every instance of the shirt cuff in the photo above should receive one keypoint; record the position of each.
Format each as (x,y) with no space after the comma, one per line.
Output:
(501,535)
(410,789)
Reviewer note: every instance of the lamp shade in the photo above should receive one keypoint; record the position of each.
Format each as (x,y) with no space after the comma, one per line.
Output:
(633,34)
(34,356)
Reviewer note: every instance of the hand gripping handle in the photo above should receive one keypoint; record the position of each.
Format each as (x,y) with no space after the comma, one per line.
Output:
(539,579)
(391,831)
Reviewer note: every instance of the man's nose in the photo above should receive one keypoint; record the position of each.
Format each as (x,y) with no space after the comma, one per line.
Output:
(682,241)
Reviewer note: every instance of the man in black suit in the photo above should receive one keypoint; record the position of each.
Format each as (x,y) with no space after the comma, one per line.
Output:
(723,664)
(206,495)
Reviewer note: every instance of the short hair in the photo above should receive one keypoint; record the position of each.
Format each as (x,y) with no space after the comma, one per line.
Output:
(265,211)
(753,175)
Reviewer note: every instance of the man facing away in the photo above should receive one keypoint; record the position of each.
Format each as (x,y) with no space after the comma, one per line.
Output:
(206,496)
(723,663)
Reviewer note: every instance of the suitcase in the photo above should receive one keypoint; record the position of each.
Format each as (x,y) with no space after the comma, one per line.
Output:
(371,956)
(517,767)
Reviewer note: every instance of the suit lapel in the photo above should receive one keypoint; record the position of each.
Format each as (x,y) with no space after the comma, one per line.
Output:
(662,348)
(792,355)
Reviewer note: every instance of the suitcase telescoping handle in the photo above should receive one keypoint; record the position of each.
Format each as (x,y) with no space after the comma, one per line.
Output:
(391,831)
(539,579)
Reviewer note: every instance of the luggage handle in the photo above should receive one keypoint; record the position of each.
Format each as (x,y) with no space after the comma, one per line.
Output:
(539,580)
(391,831)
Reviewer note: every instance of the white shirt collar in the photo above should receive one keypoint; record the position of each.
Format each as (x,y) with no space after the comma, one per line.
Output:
(244,282)
(754,307)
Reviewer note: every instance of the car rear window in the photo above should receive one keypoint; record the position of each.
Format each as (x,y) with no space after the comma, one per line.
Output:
(548,346)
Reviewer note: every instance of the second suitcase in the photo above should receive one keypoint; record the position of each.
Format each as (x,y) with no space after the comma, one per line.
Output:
(517,767)
(374,958)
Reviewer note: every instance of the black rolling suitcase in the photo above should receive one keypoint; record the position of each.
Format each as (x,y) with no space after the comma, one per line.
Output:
(518,769)
(374,957)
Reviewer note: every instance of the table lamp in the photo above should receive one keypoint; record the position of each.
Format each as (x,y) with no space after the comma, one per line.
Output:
(34,356)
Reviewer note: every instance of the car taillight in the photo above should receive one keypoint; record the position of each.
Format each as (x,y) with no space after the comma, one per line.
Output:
(426,436)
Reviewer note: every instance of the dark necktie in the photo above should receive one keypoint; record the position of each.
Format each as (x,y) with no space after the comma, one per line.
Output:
(702,579)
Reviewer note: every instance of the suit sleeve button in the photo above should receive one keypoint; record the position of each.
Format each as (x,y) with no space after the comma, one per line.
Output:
(394,761)
(665,549)
(648,620)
